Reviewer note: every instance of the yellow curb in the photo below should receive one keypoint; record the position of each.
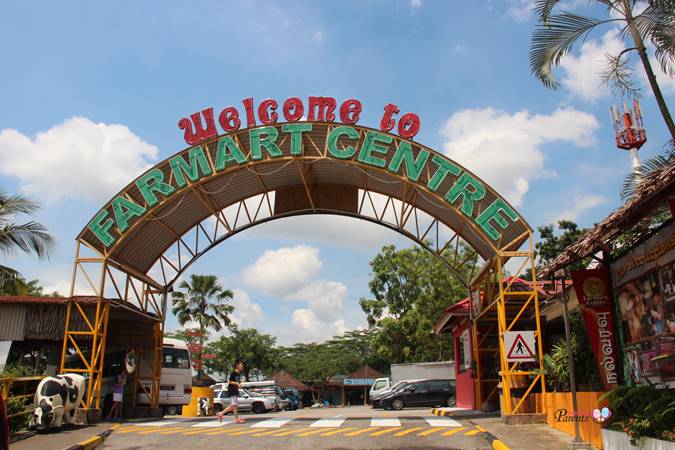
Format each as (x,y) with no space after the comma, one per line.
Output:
(499,445)
(91,443)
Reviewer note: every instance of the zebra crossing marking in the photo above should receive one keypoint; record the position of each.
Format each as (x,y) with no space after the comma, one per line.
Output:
(286,433)
(357,432)
(408,431)
(159,423)
(230,431)
(341,430)
(327,423)
(309,433)
(381,432)
(265,433)
(451,432)
(442,422)
(150,431)
(212,424)
(271,423)
(472,433)
(385,422)
(429,431)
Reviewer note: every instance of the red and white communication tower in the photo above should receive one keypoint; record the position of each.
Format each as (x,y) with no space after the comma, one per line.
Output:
(630,134)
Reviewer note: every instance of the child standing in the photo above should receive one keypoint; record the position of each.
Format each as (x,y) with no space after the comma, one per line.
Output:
(233,385)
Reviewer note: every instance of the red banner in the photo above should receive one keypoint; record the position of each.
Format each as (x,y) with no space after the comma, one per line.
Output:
(594,292)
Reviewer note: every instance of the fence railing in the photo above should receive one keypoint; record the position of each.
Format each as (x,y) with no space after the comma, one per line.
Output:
(19,391)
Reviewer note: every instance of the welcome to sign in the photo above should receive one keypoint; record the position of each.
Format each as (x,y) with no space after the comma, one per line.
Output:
(370,149)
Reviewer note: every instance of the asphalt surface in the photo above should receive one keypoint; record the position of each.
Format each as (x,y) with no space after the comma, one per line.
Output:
(336,432)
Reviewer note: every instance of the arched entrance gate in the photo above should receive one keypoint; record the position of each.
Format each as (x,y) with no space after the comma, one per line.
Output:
(133,250)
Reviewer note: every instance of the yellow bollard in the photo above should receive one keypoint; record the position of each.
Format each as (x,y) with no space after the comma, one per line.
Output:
(190,410)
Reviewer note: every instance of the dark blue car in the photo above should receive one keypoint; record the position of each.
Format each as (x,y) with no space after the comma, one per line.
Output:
(294,397)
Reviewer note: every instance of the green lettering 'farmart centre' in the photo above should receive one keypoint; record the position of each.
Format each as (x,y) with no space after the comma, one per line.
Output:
(424,168)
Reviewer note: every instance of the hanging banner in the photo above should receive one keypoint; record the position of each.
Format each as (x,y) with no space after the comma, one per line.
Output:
(594,293)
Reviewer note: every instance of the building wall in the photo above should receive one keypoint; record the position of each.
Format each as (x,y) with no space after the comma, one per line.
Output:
(463,374)
(12,322)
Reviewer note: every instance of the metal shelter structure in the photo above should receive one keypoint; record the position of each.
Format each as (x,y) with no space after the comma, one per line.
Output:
(134,249)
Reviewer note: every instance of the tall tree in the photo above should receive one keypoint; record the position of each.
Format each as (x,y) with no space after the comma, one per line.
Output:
(551,245)
(29,237)
(202,302)
(255,349)
(556,35)
(410,289)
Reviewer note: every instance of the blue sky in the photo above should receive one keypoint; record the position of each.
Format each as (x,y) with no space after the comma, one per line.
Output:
(104,83)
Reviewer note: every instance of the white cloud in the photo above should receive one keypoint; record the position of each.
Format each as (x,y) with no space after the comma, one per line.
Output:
(283,271)
(505,149)
(461,48)
(582,74)
(317,37)
(104,156)
(247,314)
(520,10)
(325,298)
(666,83)
(309,328)
(415,4)
(577,206)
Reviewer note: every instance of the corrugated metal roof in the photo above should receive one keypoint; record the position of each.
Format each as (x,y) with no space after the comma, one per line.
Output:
(12,322)
(150,236)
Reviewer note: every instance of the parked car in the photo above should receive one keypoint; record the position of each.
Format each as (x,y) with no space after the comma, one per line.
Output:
(248,401)
(294,397)
(269,389)
(375,398)
(421,393)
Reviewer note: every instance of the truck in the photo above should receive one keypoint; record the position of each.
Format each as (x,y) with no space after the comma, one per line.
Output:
(437,370)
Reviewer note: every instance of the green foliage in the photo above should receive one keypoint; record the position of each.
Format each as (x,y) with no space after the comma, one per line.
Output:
(411,287)
(255,349)
(556,365)
(550,246)
(642,411)
(185,336)
(15,406)
(17,285)
(203,302)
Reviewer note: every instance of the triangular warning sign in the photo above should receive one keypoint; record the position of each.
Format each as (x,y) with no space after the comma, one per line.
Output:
(520,349)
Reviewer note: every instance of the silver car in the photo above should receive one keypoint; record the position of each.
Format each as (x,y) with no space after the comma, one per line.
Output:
(248,401)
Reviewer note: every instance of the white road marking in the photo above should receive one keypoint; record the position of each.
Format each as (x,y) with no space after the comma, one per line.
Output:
(442,422)
(271,423)
(327,423)
(212,424)
(385,422)
(160,423)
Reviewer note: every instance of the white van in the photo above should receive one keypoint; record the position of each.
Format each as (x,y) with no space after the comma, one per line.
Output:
(175,385)
(380,385)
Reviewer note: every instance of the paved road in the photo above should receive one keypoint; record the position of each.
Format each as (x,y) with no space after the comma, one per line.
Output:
(335,432)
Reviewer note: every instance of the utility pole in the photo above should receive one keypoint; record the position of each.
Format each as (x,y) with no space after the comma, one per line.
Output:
(576,442)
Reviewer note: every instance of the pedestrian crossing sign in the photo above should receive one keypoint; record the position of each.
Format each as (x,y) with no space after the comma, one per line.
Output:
(520,346)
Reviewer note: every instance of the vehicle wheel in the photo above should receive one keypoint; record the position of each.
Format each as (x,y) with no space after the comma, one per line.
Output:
(397,404)
(451,401)
(258,408)
(218,407)
(170,410)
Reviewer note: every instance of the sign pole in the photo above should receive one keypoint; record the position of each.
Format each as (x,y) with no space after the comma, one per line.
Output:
(564,298)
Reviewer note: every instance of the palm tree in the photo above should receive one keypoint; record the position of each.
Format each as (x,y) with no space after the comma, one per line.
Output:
(30,237)
(203,302)
(556,34)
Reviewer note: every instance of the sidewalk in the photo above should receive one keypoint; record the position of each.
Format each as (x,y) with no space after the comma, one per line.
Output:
(524,437)
(60,440)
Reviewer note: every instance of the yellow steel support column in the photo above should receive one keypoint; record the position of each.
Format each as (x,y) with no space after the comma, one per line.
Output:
(157,364)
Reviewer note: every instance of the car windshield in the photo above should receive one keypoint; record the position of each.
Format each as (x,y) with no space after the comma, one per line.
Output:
(399,385)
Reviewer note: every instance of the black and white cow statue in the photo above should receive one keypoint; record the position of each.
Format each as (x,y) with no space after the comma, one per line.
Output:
(203,406)
(56,400)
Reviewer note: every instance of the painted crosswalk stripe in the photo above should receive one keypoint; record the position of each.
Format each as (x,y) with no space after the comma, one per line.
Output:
(271,423)
(160,423)
(451,432)
(130,430)
(429,431)
(327,423)
(357,432)
(190,433)
(226,431)
(341,430)
(265,433)
(286,433)
(381,432)
(212,424)
(150,431)
(174,431)
(309,433)
(471,433)
(249,431)
(442,422)
(408,431)
(385,422)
